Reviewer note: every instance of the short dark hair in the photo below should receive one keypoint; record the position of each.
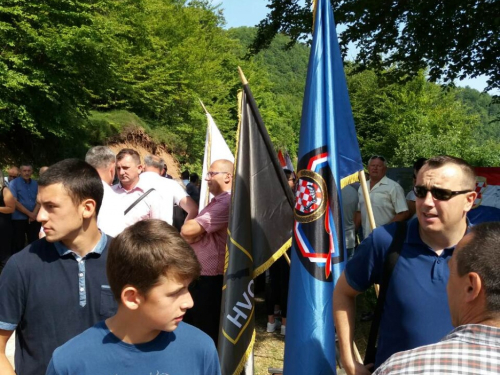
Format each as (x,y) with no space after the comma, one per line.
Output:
(419,163)
(193,178)
(144,252)
(482,256)
(129,151)
(79,179)
(185,175)
(442,160)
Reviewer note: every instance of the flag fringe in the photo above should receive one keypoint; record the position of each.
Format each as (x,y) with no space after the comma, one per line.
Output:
(245,357)
(349,180)
(273,259)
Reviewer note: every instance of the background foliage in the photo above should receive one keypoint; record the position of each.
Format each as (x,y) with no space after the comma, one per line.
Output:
(75,73)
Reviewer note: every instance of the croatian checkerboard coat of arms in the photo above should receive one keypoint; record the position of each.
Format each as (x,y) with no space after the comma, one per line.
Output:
(316,215)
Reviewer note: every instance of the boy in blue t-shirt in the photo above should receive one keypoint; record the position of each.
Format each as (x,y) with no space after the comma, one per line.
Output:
(149,269)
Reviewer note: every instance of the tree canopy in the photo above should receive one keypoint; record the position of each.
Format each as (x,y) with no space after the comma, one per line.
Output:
(452,39)
(75,73)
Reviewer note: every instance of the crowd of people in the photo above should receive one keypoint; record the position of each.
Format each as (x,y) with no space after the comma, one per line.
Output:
(62,285)
(117,273)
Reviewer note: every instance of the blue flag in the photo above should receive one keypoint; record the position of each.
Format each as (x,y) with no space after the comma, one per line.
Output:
(329,158)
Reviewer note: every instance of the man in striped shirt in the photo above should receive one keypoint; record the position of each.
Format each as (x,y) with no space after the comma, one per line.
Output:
(474,300)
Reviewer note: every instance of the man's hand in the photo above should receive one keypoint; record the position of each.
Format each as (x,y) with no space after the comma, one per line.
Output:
(356,368)
(191,231)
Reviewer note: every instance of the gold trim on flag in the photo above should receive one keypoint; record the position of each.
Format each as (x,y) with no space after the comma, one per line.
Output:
(245,356)
(274,258)
(349,180)
(241,330)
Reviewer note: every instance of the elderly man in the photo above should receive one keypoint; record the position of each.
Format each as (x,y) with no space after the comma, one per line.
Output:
(136,201)
(207,234)
(109,220)
(474,300)
(171,192)
(415,311)
(24,223)
(387,198)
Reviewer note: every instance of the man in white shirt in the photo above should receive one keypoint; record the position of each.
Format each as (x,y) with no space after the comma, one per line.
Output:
(171,192)
(109,219)
(136,201)
(387,198)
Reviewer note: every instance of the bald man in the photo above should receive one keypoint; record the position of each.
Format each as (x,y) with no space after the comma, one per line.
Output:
(207,234)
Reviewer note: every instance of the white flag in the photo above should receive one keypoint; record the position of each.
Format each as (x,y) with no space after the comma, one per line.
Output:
(215,148)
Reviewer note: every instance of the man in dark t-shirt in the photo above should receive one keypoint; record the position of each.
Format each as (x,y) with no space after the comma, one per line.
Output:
(57,287)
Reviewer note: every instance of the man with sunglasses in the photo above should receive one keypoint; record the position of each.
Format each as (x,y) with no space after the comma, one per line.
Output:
(207,234)
(415,311)
(387,198)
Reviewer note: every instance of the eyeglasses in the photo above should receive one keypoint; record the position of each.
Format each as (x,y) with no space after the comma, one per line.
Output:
(211,174)
(437,193)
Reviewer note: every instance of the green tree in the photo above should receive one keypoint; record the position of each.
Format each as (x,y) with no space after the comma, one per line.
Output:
(453,39)
(54,63)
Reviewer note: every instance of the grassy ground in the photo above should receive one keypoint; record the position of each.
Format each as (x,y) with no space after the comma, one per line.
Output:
(270,347)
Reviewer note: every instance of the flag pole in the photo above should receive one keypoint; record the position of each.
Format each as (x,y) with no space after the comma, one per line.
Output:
(203,106)
(369,211)
(368,202)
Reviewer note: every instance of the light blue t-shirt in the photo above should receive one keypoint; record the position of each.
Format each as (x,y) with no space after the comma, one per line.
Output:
(185,351)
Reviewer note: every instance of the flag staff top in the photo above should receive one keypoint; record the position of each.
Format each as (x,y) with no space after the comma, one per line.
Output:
(242,77)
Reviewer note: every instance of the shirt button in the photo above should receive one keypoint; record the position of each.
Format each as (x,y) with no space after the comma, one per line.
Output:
(82,289)
(438,261)
(80,274)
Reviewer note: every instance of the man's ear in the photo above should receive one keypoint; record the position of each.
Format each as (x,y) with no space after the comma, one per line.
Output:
(473,286)
(471,197)
(130,297)
(89,206)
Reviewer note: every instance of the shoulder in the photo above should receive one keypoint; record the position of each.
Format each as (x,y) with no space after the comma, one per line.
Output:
(393,184)
(224,199)
(38,251)
(366,266)
(88,340)
(422,360)
(198,341)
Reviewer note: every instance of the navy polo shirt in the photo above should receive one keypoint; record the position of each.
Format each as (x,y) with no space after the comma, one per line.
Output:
(416,309)
(49,294)
(25,193)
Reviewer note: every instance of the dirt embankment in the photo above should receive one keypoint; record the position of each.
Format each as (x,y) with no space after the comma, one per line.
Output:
(136,138)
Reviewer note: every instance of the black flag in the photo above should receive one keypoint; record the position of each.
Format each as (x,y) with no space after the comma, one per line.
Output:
(260,230)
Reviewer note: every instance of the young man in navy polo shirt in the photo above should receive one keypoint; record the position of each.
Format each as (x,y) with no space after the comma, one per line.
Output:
(149,268)
(57,287)
(415,311)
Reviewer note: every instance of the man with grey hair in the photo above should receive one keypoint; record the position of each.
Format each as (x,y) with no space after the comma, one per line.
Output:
(387,198)
(171,192)
(109,219)
(474,302)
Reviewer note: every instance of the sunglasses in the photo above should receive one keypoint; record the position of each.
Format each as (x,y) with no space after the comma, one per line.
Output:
(437,193)
(377,157)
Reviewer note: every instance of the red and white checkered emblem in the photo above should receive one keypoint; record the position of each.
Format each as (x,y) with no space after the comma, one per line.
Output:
(481,185)
(308,196)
